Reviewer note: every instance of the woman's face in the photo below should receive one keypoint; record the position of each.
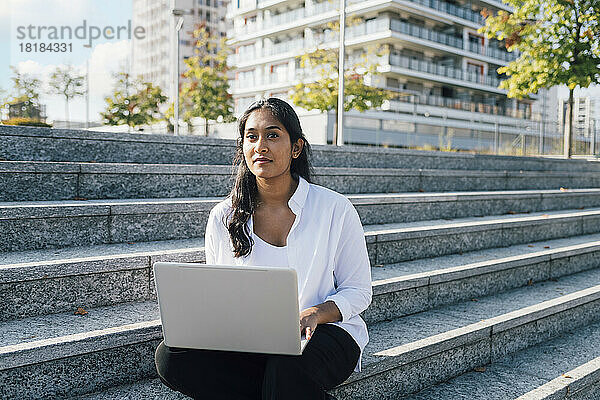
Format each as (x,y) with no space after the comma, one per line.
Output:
(265,137)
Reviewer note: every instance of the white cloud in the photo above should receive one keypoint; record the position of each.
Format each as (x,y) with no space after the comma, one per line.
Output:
(105,59)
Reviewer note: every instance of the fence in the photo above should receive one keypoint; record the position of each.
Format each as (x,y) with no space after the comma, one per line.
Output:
(479,136)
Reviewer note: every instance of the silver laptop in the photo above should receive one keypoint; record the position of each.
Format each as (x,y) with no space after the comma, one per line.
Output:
(234,308)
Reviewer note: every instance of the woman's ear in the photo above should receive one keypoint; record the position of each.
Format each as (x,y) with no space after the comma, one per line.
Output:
(297,149)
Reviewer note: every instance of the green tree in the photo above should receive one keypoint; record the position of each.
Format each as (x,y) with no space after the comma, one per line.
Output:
(559,43)
(26,91)
(205,93)
(133,102)
(25,85)
(318,88)
(65,82)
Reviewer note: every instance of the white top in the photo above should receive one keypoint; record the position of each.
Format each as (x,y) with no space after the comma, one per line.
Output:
(326,246)
(264,253)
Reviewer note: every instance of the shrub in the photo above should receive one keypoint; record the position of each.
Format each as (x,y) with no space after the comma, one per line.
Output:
(26,121)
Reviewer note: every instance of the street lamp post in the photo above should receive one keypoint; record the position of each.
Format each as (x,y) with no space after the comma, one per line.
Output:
(178,29)
(177,12)
(340,106)
(87,94)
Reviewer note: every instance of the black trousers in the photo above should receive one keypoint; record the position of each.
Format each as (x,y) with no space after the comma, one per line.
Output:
(327,360)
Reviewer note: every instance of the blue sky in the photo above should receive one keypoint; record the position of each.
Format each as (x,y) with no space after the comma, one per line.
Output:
(105,55)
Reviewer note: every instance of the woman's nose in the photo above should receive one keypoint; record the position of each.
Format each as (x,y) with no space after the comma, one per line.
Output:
(261,145)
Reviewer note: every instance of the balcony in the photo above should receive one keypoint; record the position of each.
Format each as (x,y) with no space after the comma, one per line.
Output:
(452,9)
(406,28)
(245,83)
(323,7)
(493,52)
(256,84)
(425,33)
(457,104)
(286,17)
(442,70)
(245,29)
(369,27)
(246,55)
(284,47)
(300,13)
(266,3)
(377,25)
(445,7)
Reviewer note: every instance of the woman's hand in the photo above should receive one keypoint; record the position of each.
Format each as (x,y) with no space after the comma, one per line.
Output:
(309,319)
(319,314)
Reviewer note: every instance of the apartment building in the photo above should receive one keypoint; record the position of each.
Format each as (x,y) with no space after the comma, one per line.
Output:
(584,113)
(443,71)
(154,57)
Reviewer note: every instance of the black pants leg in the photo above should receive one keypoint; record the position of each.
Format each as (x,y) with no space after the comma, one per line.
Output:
(328,359)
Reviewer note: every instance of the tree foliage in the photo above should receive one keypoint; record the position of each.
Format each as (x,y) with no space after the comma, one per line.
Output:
(133,102)
(26,92)
(65,82)
(205,93)
(559,42)
(319,84)
(25,85)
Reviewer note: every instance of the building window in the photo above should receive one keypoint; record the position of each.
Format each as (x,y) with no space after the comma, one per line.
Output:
(393,83)
(278,73)
(447,91)
(475,68)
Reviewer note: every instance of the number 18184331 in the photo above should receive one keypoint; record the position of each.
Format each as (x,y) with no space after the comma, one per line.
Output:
(46,47)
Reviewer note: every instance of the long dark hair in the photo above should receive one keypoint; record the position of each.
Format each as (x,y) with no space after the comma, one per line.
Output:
(244,194)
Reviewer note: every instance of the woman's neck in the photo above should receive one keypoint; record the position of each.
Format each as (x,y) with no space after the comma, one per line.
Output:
(276,191)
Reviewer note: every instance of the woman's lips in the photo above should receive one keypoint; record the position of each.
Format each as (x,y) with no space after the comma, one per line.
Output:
(262,161)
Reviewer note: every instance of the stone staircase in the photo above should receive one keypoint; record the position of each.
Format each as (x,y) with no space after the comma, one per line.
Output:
(486,269)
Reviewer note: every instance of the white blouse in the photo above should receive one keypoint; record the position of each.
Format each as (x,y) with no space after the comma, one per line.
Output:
(326,246)
(264,253)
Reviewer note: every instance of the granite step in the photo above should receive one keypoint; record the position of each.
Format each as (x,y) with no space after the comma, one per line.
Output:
(37,180)
(567,367)
(397,242)
(408,354)
(42,144)
(70,222)
(41,282)
(54,280)
(114,345)
(39,225)
(373,208)
(142,390)
(414,286)
(51,281)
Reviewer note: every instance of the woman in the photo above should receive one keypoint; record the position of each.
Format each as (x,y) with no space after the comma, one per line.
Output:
(275,216)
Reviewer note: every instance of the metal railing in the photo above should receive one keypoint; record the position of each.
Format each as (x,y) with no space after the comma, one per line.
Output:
(492,51)
(284,47)
(249,28)
(442,70)
(445,7)
(322,7)
(286,17)
(458,104)
(426,33)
